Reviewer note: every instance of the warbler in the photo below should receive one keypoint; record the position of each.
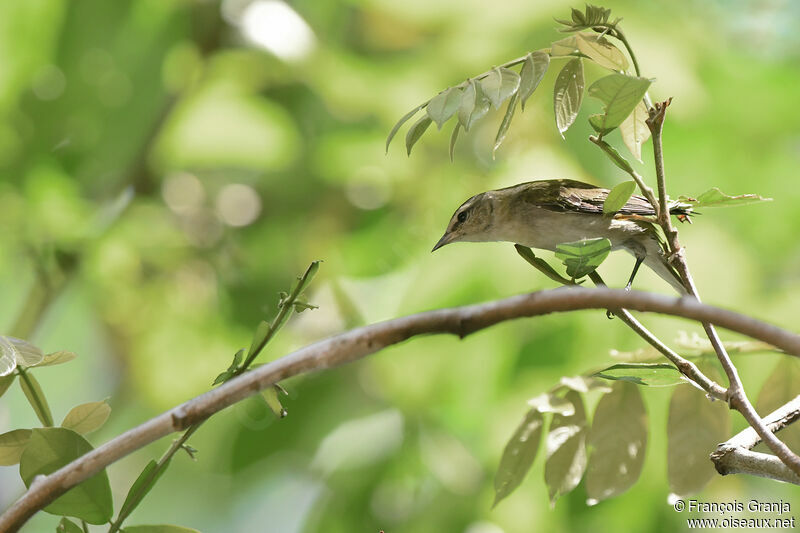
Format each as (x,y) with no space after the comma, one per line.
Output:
(543,214)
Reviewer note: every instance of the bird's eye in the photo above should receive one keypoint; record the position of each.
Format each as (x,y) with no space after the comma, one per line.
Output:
(462,216)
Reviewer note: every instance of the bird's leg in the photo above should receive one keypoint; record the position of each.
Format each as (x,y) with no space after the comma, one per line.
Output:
(633,274)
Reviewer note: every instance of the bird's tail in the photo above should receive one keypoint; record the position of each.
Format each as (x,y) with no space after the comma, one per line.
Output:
(658,264)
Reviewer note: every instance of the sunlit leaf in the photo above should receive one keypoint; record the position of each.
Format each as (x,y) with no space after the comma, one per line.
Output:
(27,354)
(618,196)
(780,387)
(8,357)
(68,526)
(6,382)
(620,94)
(400,123)
(650,374)
(35,395)
(533,70)
(51,448)
(159,529)
(694,428)
(634,130)
(550,403)
(474,105)
(566,449)
(144,483)
(499,85)
(617,439)
(87,417)
(12,444)
(57,358)
(601,51)
(444,105)
(568,94)
(584,384)
(518,455)
(505,123)
(716,198)
(583,257)
(564,47)
(453,139)
(415,132)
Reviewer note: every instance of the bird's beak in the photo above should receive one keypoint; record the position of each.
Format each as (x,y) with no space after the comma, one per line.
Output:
(444,240)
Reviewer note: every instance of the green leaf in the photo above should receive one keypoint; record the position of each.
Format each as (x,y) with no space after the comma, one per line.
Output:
(583,257)
(415,132)
(506,122)
(634,130)
(648,374)
(716,198)
(780,387)
(270,395)
(12,444)
(308,276)
(568,94)
(620,94)
(541,265)
(533,70)
(68,526)
(144,482)
(33,392)
(577,16)
(444,105)
(6,382)
(566,449)
(159,529)
(618,196)
(499,85)
(474,105)
(694,428)
(518,455)
(453,139)
(57,358)
(618,439)
(400,123)
(612,154)
(601,51)
(87,417)
(51,448)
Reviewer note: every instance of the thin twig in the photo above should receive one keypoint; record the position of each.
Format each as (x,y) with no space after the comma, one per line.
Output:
(360,342)
(737,398)
(686,367)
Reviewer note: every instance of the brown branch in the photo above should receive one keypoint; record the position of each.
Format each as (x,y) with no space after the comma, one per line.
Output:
(734,455)
(360,342)
(737,398)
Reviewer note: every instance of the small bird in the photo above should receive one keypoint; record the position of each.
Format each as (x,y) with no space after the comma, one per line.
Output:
(543,214)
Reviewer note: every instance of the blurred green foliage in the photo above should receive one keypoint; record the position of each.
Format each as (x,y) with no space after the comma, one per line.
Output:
(248,163)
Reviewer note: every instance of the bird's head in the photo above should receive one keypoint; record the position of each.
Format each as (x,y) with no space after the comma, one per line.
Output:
(473,221)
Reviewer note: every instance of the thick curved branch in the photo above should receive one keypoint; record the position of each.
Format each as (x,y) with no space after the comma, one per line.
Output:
(360,342)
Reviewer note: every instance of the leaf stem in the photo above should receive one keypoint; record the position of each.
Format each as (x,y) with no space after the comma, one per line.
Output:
(40,406)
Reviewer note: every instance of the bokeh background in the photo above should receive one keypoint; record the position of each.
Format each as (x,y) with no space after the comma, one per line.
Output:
(251,133)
